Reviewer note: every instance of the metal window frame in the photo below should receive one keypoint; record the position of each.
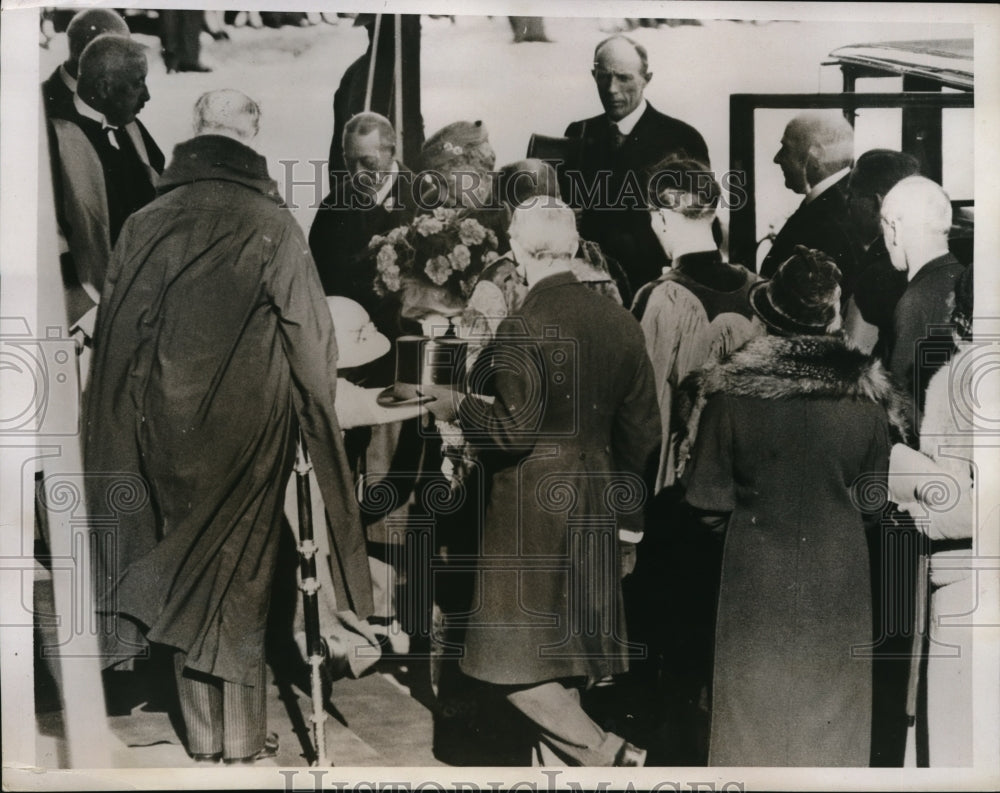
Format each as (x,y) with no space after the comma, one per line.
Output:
(742,219)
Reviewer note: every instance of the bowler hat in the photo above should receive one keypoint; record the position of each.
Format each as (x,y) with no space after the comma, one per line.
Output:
(802,297)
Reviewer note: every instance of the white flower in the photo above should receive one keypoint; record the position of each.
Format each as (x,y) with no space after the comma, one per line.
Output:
(386,258)
(460,257)
(438,270)
(471,232)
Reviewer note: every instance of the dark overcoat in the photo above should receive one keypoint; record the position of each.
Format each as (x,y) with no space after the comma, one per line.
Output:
(793,440)
(615,216)
(825,224)
(213,344)
(573,424)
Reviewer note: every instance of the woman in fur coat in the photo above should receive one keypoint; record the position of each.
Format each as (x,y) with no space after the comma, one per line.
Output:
(784,436)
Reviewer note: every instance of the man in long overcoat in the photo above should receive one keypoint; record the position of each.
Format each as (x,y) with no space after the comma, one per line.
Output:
(213,344)
(573,424)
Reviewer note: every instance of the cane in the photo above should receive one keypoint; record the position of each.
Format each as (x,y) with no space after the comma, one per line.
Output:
(917,648)
(310,601)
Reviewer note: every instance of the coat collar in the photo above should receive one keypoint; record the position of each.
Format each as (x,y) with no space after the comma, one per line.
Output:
(945,260)
(790,367)
(218,158)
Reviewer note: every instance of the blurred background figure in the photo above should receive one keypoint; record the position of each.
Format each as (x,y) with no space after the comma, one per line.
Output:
(180,33)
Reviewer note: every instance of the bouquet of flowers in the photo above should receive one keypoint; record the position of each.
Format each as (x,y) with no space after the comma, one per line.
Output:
(445,251)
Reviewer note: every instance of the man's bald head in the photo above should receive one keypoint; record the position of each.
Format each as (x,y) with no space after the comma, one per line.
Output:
(621,71)
(227,112)
(86,26)
(112,77)
(916,219)
(918,202)
(816,144)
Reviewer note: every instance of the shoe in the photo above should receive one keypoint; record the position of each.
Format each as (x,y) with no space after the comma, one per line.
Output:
(269,749)
(630,756)
(206,757)
(193,67)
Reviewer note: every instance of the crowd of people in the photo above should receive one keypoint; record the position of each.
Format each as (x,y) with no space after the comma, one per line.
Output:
(639,465)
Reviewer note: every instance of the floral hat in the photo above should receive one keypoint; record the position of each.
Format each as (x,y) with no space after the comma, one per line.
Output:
(446,250)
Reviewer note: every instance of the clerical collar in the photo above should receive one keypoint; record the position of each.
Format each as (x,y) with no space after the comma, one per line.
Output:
(819,188)
(68,79)
(87,111)
(627,124)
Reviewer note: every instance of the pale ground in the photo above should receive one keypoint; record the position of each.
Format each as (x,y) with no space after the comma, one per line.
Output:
(472,70)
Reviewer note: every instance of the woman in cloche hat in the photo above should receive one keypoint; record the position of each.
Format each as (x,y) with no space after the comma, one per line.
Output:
(787,437)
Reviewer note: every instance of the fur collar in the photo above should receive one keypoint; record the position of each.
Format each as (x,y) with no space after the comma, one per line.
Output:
(789,367)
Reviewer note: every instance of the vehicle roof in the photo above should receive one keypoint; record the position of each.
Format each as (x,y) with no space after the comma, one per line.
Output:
(946,61)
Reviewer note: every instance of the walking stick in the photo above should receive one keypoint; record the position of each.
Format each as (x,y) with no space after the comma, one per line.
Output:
(310,602)
(917,648)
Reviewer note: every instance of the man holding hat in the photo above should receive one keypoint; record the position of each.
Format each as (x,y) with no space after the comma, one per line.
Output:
(782,433)
(614,150)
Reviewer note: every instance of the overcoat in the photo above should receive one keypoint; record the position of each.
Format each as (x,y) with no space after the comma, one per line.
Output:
(793,439)
(573,424)
(213,344)
(825,224)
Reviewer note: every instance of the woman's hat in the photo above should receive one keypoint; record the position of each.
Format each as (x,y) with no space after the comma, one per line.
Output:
(358,341)
(451,143)
(802,297)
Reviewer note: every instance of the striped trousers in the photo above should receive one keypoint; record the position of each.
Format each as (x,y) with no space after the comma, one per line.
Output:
(220,716)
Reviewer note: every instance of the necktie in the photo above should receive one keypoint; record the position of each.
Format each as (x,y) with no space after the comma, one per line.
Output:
(617,137)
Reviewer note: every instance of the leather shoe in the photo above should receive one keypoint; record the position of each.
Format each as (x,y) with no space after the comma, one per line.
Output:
(206,757)
(269,749)
(630,756)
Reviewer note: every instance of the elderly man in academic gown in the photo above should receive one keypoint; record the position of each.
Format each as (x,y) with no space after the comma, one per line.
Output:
(213,345)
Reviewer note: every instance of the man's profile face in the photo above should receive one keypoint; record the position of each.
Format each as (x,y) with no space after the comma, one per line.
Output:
(368,156)
(792,158)
(124,92)
(620,78)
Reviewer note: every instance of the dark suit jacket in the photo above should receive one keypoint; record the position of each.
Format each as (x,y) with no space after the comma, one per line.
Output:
(57,97)
(615,215)
(922,340)
(823,223)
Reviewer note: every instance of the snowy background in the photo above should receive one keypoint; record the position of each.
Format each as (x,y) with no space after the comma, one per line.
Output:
(471,70)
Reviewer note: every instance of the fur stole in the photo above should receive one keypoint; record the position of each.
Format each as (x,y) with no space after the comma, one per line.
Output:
(792,367)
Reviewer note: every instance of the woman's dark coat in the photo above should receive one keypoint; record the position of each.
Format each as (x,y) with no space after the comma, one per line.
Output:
(793,440)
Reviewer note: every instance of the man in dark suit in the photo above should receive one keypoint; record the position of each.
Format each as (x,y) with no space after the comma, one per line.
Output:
(373,197)
(815,157)
(606,176)
(916,218)
(84,27)
(105,165)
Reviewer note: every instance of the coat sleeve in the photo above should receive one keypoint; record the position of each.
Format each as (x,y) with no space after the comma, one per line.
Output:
(508,424)
(710,483)
(310,347)
(636,435)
